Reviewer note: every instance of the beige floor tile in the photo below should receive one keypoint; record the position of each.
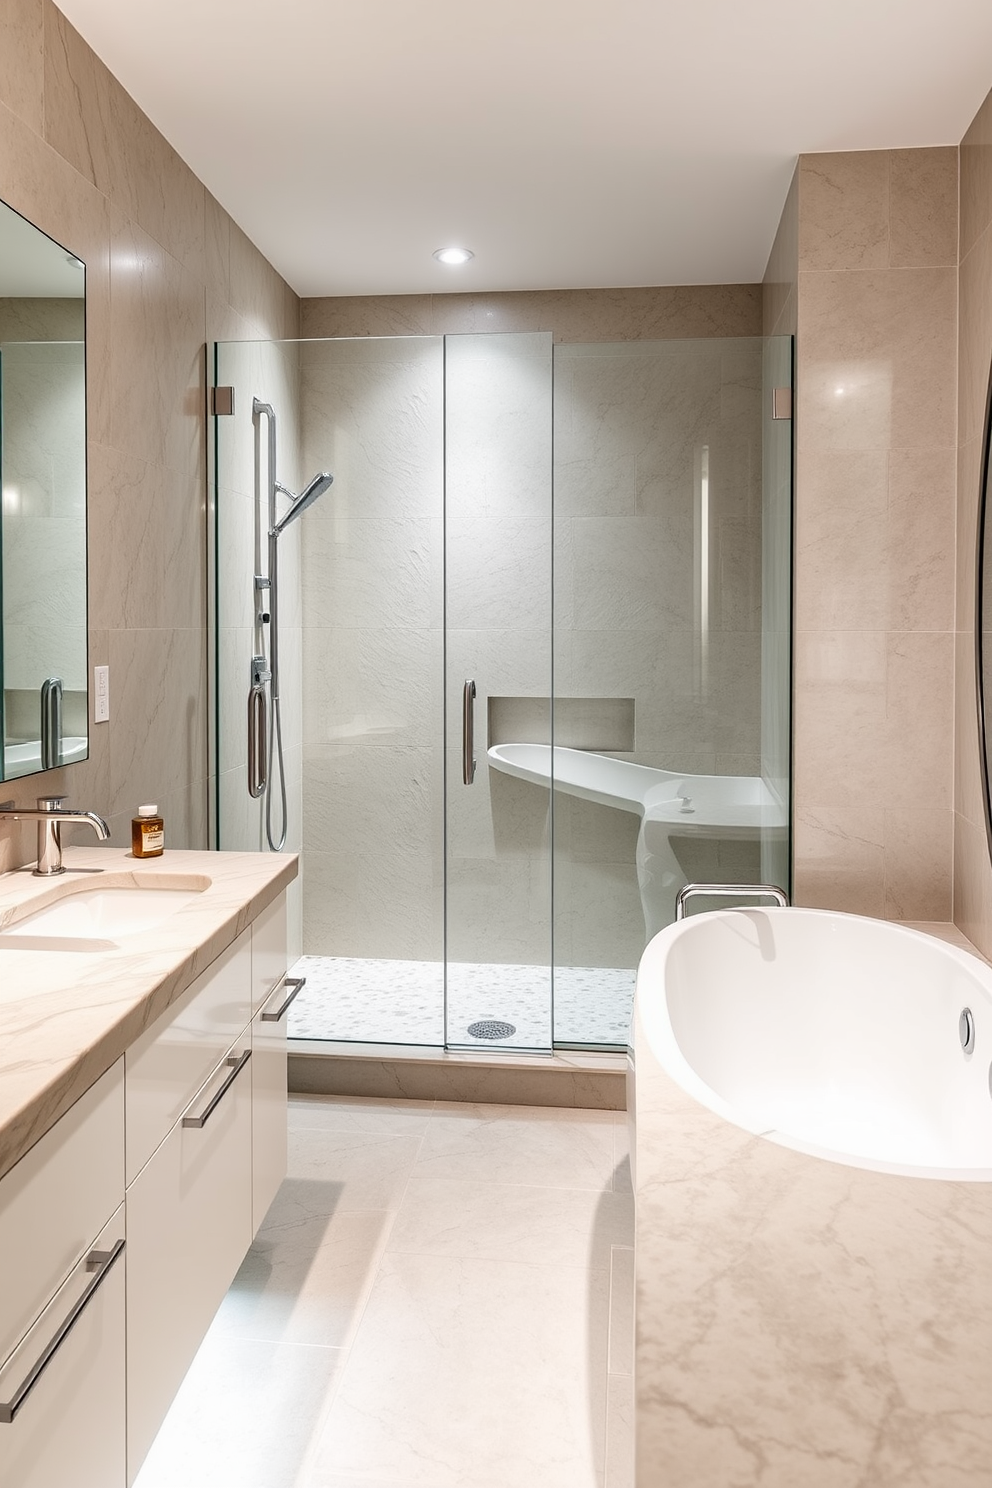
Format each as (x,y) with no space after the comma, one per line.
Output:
(622,1310)
(621,1155)
(508,1222)
(308,1275)
(533,1145)
(365,1171)
(474,1374)
(620,1432)
(246,1416)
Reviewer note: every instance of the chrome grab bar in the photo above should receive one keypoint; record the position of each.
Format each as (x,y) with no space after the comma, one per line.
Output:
(728,891)
(468,732)
(258,732)
(236,1064)
(297,984)
(51,723)
(99,1262)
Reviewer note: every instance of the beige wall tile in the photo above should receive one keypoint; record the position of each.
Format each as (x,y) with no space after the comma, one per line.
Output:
(158,746)
(571,314)
(923,197)
(918,852)
(22,60)
(969,485)
(367,315)
(919,564)
(976,177)
(89,119)
(969,800)
(877,356)
(844,210)
(974,344)
(157,315)
(973,884)
(216,249)
(840,859)
(842,541)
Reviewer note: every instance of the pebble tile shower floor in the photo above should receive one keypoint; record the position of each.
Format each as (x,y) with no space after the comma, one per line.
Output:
(402,1002)
(441,1296)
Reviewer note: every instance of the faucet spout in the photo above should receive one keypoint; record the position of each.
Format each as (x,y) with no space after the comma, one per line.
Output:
(51,814)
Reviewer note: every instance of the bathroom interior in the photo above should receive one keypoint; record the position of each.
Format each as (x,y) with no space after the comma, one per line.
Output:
(589,594)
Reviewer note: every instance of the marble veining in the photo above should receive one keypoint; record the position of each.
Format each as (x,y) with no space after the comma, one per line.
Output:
(800,1321)
(67,1015)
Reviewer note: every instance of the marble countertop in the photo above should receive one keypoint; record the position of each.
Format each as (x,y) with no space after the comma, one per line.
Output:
(66,1016)
(800,1321)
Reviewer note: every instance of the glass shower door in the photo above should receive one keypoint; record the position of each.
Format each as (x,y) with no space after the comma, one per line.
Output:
(498,692)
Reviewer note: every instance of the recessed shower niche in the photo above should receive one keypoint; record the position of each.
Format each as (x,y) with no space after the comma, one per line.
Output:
(586,545)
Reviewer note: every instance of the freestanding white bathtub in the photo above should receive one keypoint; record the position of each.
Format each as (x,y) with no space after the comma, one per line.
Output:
(846,1038)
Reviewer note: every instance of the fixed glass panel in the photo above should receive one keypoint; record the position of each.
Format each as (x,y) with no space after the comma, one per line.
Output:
(498,690)
(660,653)
(43,666)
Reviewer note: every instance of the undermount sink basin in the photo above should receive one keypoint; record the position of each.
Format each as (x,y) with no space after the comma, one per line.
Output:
(105,914)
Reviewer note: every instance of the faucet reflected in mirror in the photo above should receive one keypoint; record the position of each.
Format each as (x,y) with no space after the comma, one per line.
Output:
(52,814)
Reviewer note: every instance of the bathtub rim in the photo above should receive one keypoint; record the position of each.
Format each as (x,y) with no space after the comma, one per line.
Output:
(653,1033)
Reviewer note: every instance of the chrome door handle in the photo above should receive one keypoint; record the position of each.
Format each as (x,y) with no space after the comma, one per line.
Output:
(297,984)
(99,1262)
(728,891)
(468,732)
(236,1064)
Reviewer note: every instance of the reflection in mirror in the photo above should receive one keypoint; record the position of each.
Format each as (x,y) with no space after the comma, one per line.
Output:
(43,521)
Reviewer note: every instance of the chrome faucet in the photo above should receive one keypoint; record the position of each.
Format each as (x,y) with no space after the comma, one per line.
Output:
(52,814)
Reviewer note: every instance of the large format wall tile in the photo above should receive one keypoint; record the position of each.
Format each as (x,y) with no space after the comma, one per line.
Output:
(875,553)
(22,61)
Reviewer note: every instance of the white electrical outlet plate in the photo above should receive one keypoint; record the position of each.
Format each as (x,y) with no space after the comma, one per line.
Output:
(101,694)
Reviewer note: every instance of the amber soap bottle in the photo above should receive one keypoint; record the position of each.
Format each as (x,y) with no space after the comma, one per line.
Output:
(147,833)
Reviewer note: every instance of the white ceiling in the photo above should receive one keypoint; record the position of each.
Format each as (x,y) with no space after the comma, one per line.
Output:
(569,143)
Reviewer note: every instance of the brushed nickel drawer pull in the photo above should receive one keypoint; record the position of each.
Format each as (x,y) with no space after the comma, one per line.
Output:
(297,984)
(236,1064)
(99,1262)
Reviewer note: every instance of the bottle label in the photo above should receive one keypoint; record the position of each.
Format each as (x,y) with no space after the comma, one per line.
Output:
(152,839)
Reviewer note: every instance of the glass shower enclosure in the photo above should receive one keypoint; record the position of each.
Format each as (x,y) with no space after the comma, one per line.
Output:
(534,648)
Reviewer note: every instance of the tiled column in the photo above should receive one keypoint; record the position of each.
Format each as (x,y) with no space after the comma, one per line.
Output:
(874,646)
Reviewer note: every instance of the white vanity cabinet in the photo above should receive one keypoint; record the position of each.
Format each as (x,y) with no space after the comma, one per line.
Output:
(201,1124)
(272,994)
(62,1297)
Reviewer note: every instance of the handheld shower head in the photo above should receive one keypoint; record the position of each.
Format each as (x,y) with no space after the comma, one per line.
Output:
(307,497)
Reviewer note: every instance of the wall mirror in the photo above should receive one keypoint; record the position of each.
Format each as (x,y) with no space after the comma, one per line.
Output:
(43,672)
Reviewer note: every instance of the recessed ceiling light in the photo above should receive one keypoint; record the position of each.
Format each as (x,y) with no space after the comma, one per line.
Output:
(453,255)
(74,262)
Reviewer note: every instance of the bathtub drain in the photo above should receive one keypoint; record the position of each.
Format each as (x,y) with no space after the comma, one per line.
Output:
(491,1028)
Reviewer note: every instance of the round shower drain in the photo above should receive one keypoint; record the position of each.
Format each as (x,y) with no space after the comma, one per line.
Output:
(491,1028)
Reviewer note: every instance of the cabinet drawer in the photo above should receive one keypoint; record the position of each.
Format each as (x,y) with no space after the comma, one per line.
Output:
(69,1428)
(188,1227)
(169,1063)
(269,1116)
(55,1200)
(268,951)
